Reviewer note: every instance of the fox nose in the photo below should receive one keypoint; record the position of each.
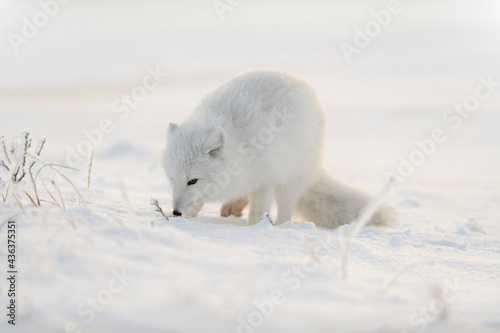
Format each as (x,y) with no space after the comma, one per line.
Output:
(176,213)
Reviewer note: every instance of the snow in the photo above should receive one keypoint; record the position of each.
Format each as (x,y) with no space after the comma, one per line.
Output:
(438,272)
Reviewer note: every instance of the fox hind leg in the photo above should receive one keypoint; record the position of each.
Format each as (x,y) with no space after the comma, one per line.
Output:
(288,194)
(234,208)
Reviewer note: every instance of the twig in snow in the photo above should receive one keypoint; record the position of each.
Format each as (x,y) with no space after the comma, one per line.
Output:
(5,166)
(268,218)
(158,209)
(40,145)
(364,218)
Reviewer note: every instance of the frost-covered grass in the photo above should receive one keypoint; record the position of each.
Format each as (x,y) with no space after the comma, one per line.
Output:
(20,170)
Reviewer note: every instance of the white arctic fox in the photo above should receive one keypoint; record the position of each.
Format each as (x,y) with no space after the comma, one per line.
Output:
(257,136)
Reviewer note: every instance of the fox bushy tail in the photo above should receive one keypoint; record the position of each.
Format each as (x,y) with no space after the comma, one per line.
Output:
(329,203)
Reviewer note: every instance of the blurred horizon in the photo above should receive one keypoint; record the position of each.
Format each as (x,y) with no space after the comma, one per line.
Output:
(428,55)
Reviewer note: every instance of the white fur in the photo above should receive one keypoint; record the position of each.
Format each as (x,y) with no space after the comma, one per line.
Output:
(260,136)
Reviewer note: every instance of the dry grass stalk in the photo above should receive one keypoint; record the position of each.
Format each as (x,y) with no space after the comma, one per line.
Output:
(18,202)
(408,268)
(90,168)
(54,199)
(364,218)
(31,199)
(2,138)
(54,166)
(60,195)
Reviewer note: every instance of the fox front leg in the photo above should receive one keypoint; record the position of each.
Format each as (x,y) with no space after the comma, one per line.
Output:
(260,203)
(196,210)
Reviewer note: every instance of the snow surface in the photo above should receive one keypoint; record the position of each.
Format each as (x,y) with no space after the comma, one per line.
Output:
(438,272)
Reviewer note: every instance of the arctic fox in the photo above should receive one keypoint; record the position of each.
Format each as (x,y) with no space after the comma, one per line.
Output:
(259,136)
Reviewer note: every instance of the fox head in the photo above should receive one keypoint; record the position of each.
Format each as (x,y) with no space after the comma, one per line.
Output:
(193,156)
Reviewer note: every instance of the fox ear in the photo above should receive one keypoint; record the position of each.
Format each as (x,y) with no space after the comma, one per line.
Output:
(171,129)
(215,143)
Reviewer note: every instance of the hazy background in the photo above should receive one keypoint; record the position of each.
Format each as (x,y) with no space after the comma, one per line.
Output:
(428,58)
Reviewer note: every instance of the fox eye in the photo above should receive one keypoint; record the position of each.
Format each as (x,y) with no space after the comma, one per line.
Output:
(192,181)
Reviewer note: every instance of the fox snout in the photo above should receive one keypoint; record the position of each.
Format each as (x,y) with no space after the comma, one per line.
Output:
(190,210)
